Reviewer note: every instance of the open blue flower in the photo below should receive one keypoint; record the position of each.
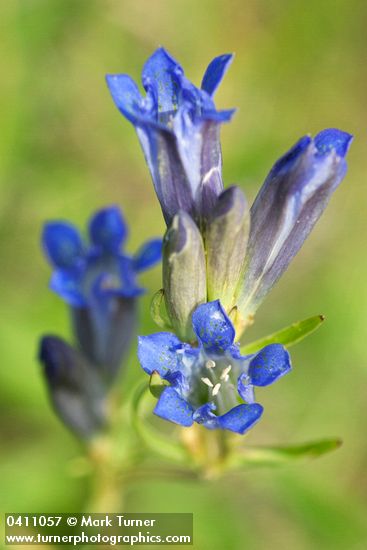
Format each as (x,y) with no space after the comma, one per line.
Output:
(211,384)
(85,272)
(98,280)
(178,127)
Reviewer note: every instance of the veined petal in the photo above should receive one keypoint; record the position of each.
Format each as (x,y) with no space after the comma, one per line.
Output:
(269,364)
(287,207)
(205,415)
(172,407)
(62,244)
(160,78)
(148,255)
(215,73)
(66,283)
(332,139)
(241,418)
(158,352)
(245,388)
(212,327)
(126,96)
(169,177)
(108,229)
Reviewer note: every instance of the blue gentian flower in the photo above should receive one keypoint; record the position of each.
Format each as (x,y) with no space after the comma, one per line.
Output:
(75,388)
(178,128)
(288,205)
(211,384)
(98,280)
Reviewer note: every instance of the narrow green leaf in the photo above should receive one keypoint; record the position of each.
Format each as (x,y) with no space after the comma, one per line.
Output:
(272,456)
(287,336)
(142,405)
(158,310)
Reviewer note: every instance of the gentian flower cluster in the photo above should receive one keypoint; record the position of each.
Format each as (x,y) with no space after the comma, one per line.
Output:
(98,281)
(220,257)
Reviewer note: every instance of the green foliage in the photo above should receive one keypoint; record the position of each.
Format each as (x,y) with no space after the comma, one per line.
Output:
(166,447)
(287,336)
(158,310)
(273,456)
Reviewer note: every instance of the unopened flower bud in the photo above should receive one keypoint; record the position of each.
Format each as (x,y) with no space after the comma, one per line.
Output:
(184,273)
(225,243)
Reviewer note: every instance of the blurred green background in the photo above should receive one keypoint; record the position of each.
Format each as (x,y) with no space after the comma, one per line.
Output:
(65,151)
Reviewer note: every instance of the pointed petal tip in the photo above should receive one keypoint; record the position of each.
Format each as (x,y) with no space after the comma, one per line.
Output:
(107,228)
(290,158)
(215,72)
(62,243)
(332,139)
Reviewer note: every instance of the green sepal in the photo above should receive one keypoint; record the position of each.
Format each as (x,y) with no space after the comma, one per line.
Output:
(274,456)
(287,336)
(157,384)
(143,404)
(158,310)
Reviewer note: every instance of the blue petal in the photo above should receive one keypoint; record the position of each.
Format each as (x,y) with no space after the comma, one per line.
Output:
(172,407)
(204,415)
(108,229)
(158,352)
(287,161)
(215,72)
(269,364)
(126,96)
(104,287)
(332,139)
(224,115)
(67,284)
(62,244)
(148,255)
(212,327)
(240,418)
(129,286)
(161,78)
(245,388)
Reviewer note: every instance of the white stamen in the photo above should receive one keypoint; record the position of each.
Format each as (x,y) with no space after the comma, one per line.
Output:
(207,382)
(215,390)
(210,364)
(224,376)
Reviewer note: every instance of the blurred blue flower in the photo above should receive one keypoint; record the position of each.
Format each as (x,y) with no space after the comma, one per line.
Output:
(75,388)
(211,384)
(178,128)
(98,281)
